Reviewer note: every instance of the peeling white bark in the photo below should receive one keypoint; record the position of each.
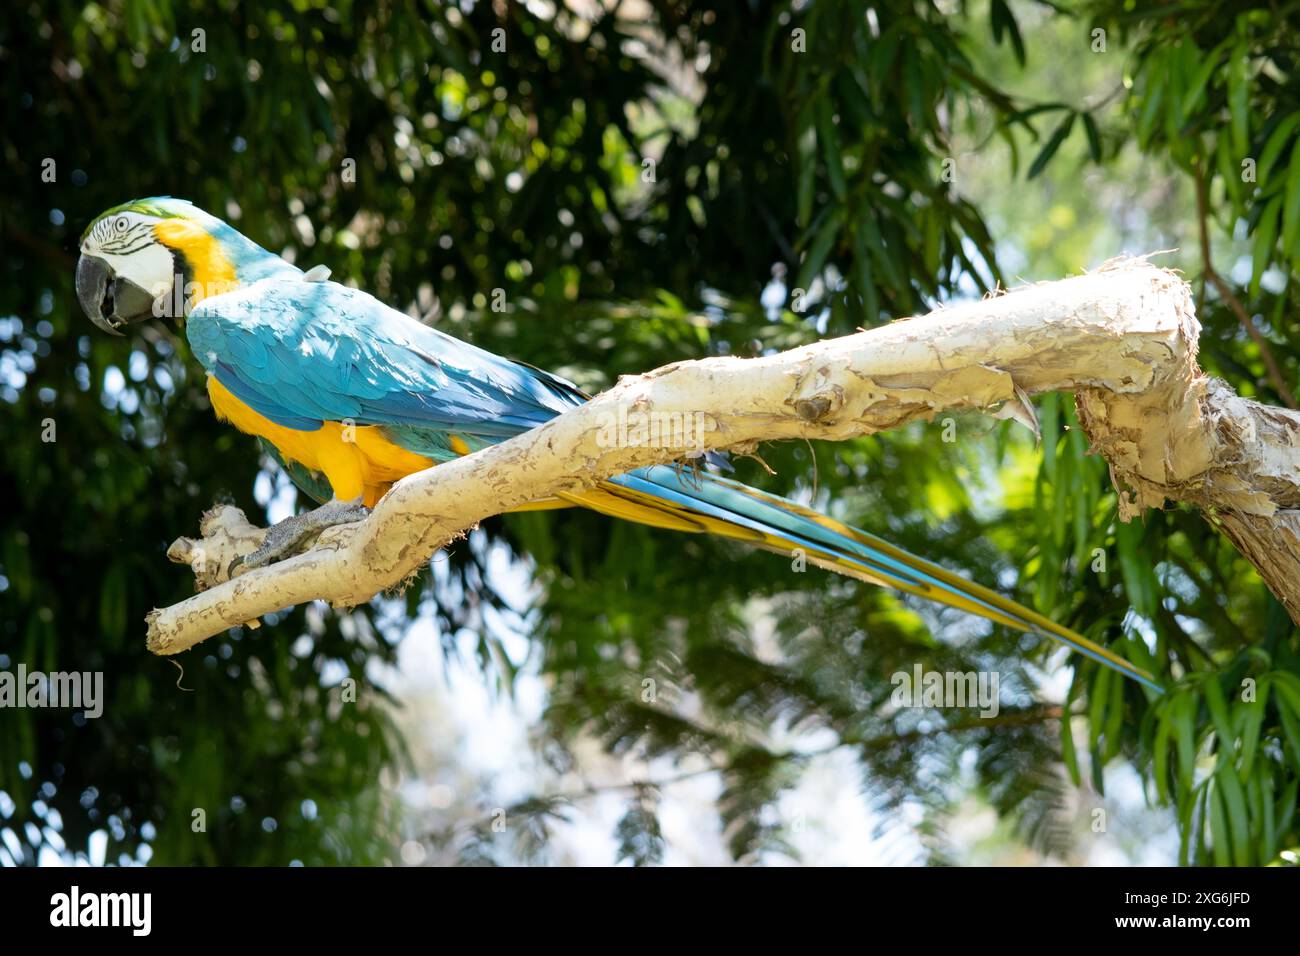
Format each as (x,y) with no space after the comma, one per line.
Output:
(1123,339)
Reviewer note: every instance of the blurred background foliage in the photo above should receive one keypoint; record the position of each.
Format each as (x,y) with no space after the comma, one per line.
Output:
(600,189)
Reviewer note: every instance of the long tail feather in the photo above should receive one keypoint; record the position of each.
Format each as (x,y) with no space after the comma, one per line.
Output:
(703,502)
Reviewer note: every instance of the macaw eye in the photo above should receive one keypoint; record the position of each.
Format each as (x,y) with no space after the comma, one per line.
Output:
(120,225)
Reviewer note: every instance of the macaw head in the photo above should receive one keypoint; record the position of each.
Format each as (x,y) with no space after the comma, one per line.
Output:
(124,267)
(154,258)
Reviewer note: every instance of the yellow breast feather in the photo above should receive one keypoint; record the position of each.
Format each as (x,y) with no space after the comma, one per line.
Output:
(359,461)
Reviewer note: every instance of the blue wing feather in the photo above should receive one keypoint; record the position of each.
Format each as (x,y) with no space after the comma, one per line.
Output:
(300,353)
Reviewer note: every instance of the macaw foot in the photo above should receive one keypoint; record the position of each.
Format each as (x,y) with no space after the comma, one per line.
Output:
(287,537)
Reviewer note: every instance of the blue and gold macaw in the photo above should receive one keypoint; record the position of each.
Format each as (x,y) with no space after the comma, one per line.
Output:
(351,395)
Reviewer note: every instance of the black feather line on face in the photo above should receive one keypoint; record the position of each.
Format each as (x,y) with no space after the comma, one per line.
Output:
(124,243)
(181,267)
(121,249)
(175,304)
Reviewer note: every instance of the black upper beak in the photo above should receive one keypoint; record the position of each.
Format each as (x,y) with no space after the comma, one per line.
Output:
(109,301)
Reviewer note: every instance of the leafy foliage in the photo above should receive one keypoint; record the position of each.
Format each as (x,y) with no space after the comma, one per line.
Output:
(1211,92)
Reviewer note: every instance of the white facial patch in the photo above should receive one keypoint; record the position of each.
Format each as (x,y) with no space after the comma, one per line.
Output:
(126,241)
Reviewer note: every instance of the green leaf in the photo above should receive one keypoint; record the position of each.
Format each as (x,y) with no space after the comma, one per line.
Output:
(1278,139)
(1097,766)
(1115,717)
(1023,116)
(882,54)
(1218,706)
(1287,685)
(1229,166)
(1255,817)
(1265,240)
(1098,700)
(882,255)
(865,278)
(1290,718)
(1286,806)
(933,240)
(830,141)
(1269,813)
(1254,720)
(1184,716)
(1291,209)
(1052,145)
(1003,23)
(806,150)
(1050,424)
(1160,751)
(1218,826)
(1135,566)
(914,88)
(1195,92)
(819,250)
(1235,804)
(1094,137)
(1186,810)
(1069,754)
(1154,95)
(1239,101)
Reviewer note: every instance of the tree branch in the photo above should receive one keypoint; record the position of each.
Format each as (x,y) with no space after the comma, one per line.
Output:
(1123,339)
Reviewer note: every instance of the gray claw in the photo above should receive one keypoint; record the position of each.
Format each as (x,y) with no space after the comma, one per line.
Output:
(287,537)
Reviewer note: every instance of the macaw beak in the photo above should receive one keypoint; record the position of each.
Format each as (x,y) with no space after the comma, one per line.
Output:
(108,300)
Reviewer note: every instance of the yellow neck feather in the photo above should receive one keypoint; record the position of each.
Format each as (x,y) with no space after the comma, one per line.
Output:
(211,273)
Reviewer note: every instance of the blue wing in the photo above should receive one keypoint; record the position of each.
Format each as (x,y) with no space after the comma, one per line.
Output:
(302,353)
